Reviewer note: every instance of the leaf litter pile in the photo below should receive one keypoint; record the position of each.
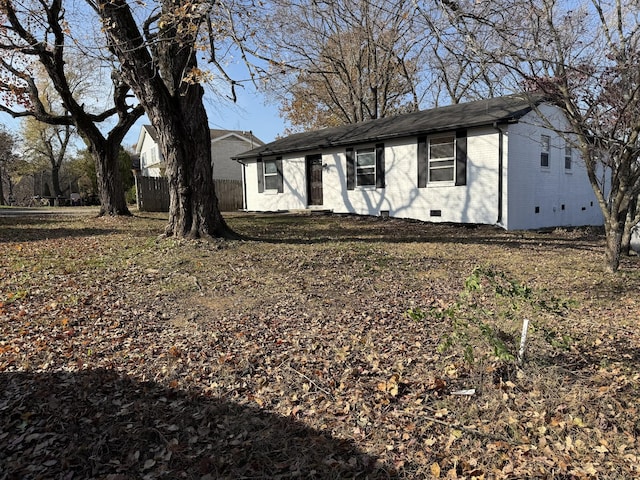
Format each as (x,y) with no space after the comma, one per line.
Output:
(318,347)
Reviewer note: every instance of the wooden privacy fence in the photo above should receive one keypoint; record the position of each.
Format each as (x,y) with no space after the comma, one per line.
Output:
(153,194)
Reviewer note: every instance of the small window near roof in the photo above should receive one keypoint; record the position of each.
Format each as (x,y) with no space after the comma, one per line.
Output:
(545,146)
(568,156)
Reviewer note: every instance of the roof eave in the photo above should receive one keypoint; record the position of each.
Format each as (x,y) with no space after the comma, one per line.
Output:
(259,153)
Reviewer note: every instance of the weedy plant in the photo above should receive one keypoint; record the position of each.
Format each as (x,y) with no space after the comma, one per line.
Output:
(488,314)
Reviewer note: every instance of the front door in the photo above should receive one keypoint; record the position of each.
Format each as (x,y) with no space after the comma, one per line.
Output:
(314,179)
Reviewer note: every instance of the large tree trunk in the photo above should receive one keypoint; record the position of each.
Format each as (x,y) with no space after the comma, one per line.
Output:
(55,181)
(110,189)
(155,72)
(185,142)
(628,227)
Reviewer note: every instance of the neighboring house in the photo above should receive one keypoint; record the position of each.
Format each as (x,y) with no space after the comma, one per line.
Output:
(225,144)
(148,152)
(152,188)
(485,162)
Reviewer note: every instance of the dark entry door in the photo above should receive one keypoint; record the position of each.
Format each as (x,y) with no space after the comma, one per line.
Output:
(314,179)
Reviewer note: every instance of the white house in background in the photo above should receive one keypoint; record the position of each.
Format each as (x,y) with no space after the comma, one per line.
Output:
(490,162)
(225,144)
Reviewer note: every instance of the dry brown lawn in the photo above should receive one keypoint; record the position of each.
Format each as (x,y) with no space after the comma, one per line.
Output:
(319,347)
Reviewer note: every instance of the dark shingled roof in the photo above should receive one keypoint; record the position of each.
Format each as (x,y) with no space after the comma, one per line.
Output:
(461,115)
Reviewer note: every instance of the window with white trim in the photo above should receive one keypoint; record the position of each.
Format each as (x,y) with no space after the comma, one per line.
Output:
(270,173)
(366,167)
(545,147)
(568,157)
(442,158)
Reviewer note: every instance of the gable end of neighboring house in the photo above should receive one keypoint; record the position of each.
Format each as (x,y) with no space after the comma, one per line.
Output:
(151,163)
(152,187)
(225,144)
(476,163)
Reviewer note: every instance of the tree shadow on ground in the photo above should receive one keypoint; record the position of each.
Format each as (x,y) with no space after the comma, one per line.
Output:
(102,424)
(29,229)
(34,228)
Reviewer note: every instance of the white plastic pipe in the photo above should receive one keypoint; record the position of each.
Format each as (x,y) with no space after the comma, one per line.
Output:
(523,340)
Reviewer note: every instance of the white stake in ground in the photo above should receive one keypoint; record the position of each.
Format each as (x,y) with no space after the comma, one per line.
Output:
(523,340)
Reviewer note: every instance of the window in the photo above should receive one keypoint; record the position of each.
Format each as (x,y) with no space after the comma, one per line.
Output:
(442,159)
(270,175)
(568,155)
(366,167)
(545,142)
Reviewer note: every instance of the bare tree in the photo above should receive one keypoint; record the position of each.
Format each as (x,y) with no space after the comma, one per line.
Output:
(584,57)
(39,32)
(343,61)
(47,144)
(158,58)
(7,160)
(449,73)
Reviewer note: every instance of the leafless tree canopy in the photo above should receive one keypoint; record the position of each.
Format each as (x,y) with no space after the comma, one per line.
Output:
(584,57)
(36,37)
(344,61)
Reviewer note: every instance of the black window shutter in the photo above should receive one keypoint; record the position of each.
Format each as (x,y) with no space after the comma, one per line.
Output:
(260,169)
(351,170)
(423,162)
(461,157)
(280,176)
(380,165)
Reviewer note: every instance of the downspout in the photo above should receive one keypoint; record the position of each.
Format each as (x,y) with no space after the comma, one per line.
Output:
(500,171)
(244,184)
(244,174)
(244,187)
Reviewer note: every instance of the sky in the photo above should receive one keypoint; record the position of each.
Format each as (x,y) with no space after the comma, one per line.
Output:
(250,113)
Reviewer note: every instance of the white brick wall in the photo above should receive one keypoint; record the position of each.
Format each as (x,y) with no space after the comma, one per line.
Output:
(562,197)
(526,185)
(474,203)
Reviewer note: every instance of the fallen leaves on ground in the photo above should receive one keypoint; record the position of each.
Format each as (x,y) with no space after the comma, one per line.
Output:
(292,355)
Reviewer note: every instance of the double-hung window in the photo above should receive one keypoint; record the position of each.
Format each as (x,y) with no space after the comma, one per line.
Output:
(568,157)
(545,147)
(366,167)
(442,158)
(270,175)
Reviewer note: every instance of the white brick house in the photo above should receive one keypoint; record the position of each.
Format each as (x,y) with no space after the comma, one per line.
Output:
(487,162)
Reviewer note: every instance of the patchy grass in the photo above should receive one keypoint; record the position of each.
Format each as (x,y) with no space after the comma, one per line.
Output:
(321,347)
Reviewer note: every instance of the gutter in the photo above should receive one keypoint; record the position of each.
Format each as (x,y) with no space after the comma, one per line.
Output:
(345,140)
(500,171)
(244,183)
